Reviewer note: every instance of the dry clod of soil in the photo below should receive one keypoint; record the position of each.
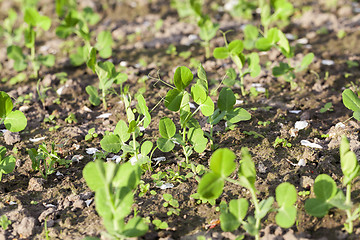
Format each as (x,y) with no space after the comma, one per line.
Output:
(36,184)
(26,227)
(11,137)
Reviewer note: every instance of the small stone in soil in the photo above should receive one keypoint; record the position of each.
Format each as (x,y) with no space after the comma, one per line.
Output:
(26,227)
(11,138)
(36,184)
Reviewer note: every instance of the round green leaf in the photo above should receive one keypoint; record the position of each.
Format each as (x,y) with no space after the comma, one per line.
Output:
(351,100)
(324,187)
(182,77)
(146,148)
(263,44)
(210,186)
(135,227)
(165,144)
(229,222)
(122,130)
(222,162)
(237,115)
(226,99)
(92,175)
(167,127)
(173,99)
(239,208)
(286,194)
(207,108)
(317,207)
(6,104)
(286,216)
(15,121)
(221,53)
(236,47)
(198,93)
(111,143)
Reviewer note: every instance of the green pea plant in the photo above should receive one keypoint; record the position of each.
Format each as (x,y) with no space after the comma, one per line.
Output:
(275,12)
(35,21)
(171,204)
(352,102)
(8,29)
(107,75)
(207,28)
(190,136)
(91,134)
(45,161)
(211,186)
(234,50)
(226,111)
(116,141)
(114,186)
(4,222)
(328,195)
(7,163)
(14,121)
(78,23)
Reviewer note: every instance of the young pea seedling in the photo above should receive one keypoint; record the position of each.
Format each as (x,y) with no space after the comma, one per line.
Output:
(114,186)
(234,50)
(78,22)
(34,20)
(117,141)
(211,186)
(107,75)
(328,195)
(44,160)
(7,164)
(178,100)
(14,121)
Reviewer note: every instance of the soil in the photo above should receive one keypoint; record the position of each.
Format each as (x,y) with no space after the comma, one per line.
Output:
(27,200)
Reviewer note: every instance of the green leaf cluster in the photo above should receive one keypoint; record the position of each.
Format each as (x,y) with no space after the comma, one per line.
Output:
(34,21)
(107,75)
(45,161)
(117,140)
(7,163)
(14,121)
(78,22)
(114,185)
(232,217)
(178,99)
(328,195)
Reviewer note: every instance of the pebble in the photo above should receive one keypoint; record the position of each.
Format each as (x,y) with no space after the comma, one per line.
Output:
(45,214)
(78,204)
(36,184)
(11,137)
(26,228)
(306,182)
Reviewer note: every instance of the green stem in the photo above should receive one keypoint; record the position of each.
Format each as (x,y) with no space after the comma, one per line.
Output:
(239,66)
(207,49)
(257,210)
(104,99)
(348,211)
(134,145)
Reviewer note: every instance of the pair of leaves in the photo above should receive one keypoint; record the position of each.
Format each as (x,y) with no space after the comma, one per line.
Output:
(34,19)
(221,165)
(226,102)
(352,102)
(7,164)
(167,130)
(274,36)
(14,121)
(327,197)
(234,48)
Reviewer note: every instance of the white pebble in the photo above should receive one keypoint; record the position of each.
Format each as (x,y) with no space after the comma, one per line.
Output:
(104,115)
(310,144)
